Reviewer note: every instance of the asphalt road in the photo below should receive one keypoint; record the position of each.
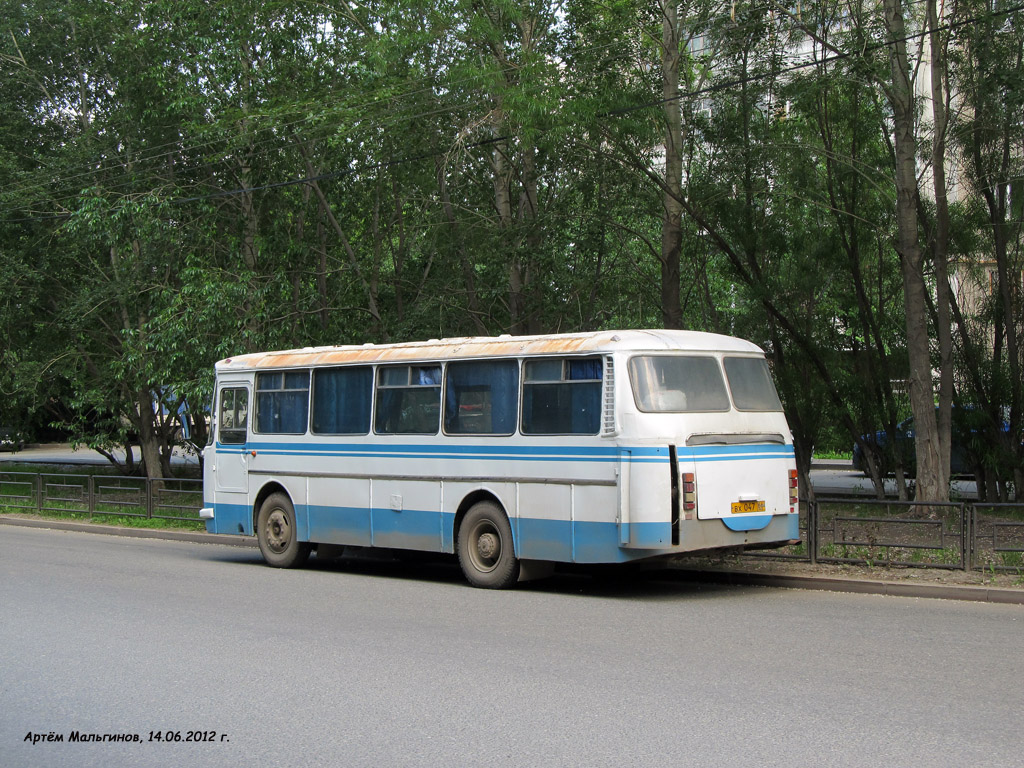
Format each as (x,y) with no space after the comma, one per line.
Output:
(387,664)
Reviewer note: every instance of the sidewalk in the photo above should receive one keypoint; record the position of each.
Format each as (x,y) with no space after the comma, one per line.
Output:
(975,586)
(63,453)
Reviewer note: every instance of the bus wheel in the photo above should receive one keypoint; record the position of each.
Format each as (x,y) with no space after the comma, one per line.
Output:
(277,535)
(485,547)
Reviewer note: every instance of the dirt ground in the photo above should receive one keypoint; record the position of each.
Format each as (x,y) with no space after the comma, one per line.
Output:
(768,565)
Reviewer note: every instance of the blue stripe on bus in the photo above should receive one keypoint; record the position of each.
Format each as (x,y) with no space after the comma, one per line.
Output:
(760,522)
(377,526)
(747,522)
(535,539)
(230,518)
(586,541)
(635,455)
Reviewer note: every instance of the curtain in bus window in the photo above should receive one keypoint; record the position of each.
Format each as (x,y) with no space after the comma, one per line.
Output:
(586,397)
(481,398)
(282,402)
(570,405)
(341,400)
(584,370)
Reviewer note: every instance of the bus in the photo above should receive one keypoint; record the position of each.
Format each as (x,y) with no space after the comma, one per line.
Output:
(513,452)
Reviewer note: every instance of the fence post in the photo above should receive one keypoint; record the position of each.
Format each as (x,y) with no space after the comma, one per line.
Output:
(90,496)
(812,530)
(969,531)
(39,493)
(149,497)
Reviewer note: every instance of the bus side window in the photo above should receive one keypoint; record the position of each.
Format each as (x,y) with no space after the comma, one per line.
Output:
(282,402)
(234,411)
(408,400)
(341,400)
(481,397)
(562,396)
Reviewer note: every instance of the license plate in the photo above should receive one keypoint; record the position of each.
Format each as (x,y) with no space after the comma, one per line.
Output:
(747,507)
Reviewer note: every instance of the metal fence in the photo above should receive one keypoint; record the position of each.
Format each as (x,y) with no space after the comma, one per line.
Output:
(954,535)
(64,493)
(832,530)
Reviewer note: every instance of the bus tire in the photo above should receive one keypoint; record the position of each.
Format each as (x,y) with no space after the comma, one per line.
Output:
(277,534)
(486,553)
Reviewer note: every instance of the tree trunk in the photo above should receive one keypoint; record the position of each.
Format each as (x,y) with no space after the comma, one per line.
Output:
(671,223)
(149,440)
(930,485)
(940,247)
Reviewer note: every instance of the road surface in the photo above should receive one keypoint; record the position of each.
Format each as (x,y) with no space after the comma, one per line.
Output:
(372,663)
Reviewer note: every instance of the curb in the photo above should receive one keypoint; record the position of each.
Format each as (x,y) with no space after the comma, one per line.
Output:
(194,537)
(738,578)
(860,586)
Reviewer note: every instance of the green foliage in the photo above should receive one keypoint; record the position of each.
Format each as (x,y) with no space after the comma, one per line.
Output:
(185,181)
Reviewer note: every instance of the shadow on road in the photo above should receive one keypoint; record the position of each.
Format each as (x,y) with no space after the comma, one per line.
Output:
(616,582)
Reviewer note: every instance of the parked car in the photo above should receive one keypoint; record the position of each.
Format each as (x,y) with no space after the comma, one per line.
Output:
(10,440)
(967,436)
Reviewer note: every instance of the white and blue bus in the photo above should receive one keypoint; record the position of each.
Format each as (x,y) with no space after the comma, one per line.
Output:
(514,453)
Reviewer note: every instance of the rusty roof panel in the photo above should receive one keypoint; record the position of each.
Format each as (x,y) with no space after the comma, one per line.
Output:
(478,347)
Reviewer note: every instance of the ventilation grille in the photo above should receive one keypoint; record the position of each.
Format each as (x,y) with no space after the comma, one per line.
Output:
(608,398)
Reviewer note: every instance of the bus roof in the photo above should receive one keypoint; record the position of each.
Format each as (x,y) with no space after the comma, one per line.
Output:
(596,342)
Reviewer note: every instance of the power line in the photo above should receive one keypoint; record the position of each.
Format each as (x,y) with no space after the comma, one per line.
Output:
(177,149)
(696,93)
(172,149)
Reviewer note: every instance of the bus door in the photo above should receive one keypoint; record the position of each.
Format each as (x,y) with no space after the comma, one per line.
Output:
(231,465)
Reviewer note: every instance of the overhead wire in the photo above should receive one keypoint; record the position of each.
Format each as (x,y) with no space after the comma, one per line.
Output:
(172,149)
(695,93)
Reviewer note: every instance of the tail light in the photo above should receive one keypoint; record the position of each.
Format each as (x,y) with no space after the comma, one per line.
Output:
(794,491)
(689,494)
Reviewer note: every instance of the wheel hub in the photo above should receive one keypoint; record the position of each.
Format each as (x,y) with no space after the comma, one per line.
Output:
(278,531)
(487,545)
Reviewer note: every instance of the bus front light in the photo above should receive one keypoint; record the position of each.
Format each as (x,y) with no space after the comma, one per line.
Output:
(794,487)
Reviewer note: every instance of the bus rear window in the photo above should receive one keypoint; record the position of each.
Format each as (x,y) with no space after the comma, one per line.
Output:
(664,384)
(751,384)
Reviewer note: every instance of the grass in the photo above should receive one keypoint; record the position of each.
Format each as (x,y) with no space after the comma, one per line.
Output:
(124,521)
(1012,559)
(1013,512)
(884,556)
(834,455)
